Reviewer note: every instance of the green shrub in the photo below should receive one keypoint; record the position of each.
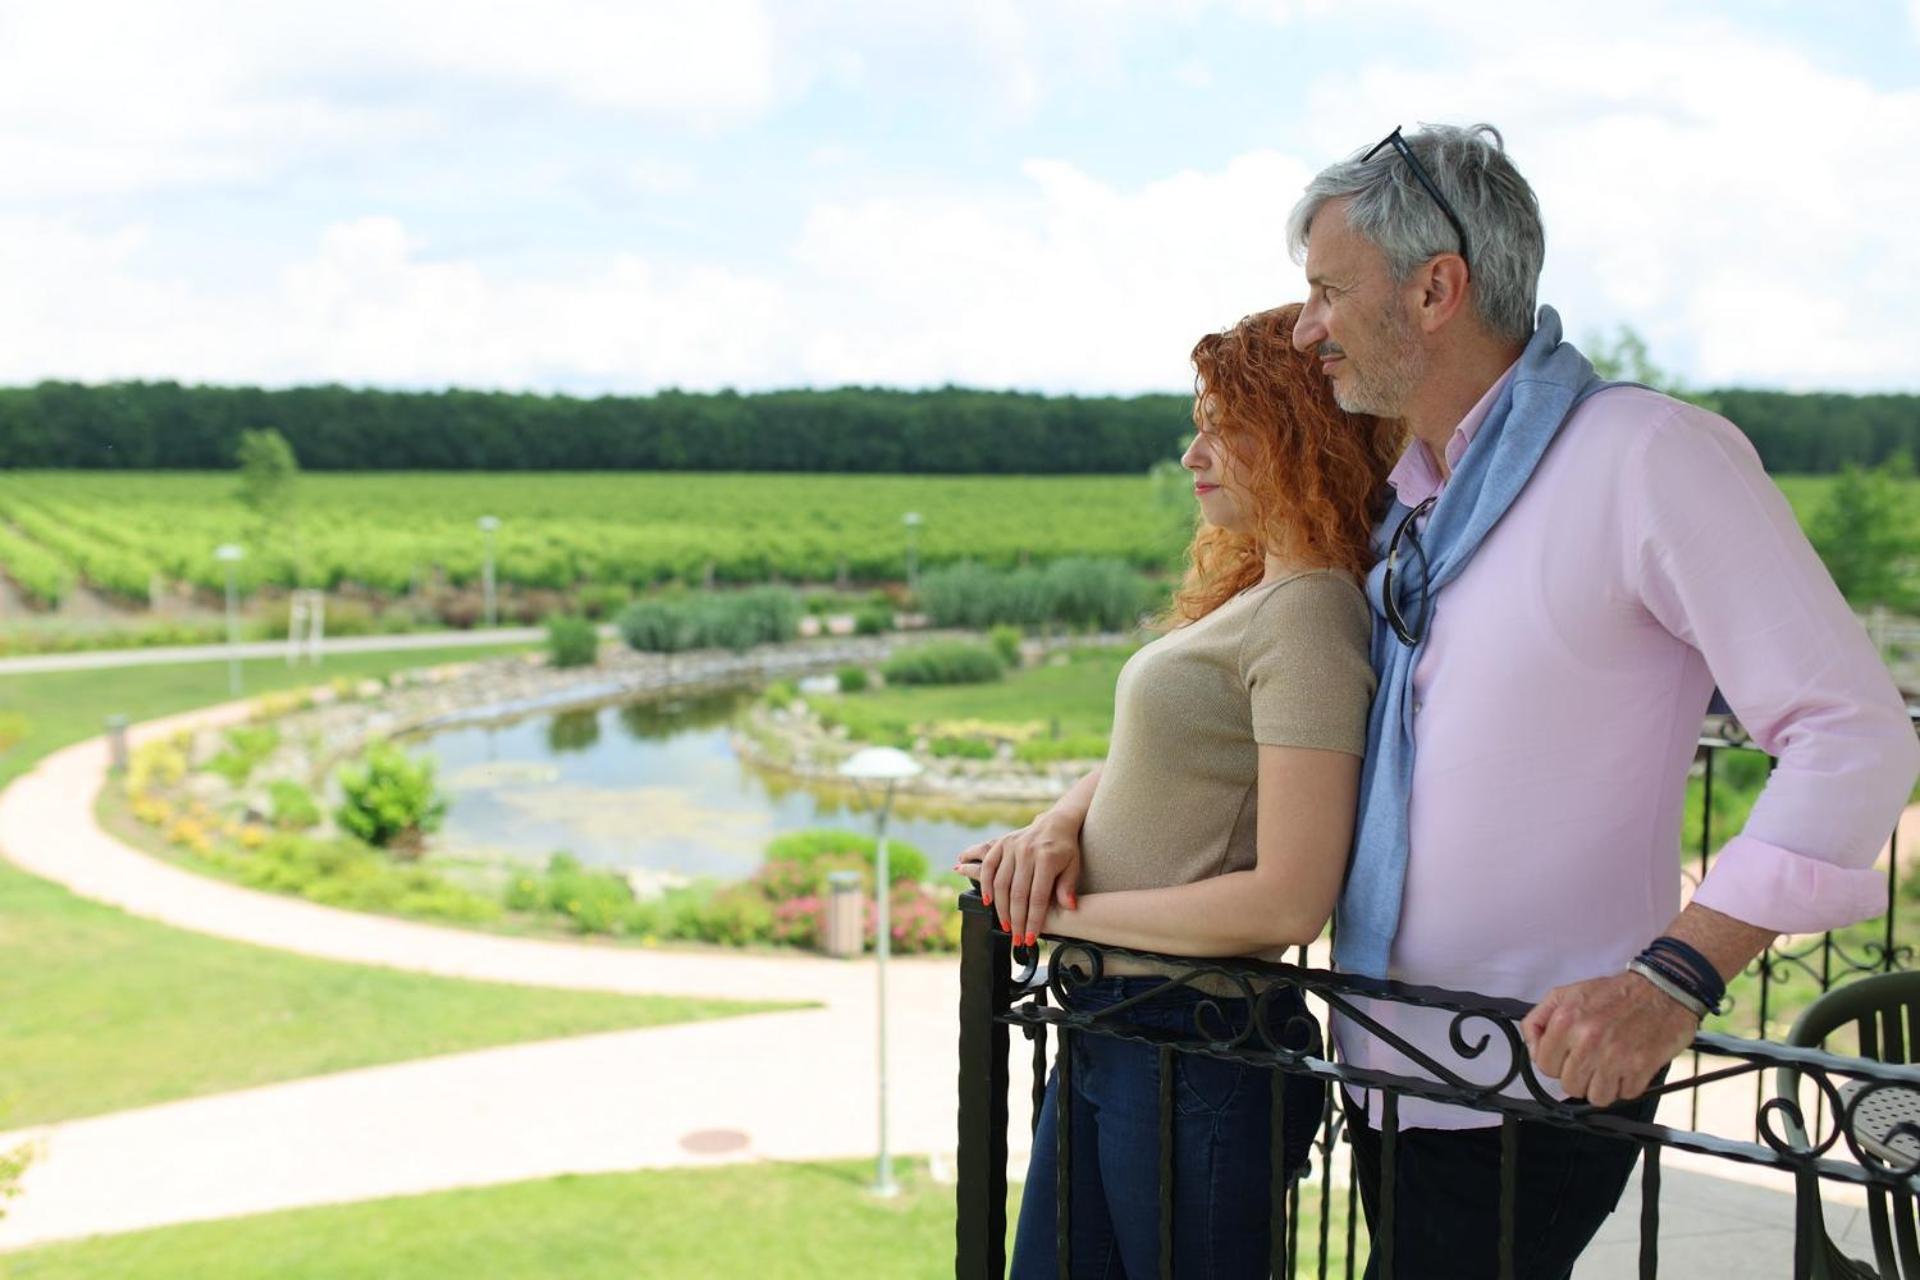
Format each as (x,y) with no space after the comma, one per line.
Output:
(602,600)
(1095,593)
(780,693)
(344,873)
(1081,592)
(814,847)
(572,642)
(247,746)
(952,662)
(390,800)
(950,745)
(1006,642)
(657,626)
(292,806)
(853,679)
(739,620)
(873,620)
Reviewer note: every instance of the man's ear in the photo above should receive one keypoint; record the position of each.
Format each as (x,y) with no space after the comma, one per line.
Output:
(1442,283)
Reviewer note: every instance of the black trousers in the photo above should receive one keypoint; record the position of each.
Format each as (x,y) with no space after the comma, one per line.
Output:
(1446,1196)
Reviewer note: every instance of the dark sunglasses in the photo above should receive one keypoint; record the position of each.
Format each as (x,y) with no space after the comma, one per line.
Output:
(1409,631)
(1399,144)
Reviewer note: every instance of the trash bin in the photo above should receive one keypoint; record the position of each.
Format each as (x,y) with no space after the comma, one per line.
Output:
(846,915)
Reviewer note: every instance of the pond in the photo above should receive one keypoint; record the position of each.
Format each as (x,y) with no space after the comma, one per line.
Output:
(652,785)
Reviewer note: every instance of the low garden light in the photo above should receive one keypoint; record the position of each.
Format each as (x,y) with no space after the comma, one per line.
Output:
(913,522)
(488,524)
(890,766)
(231,555)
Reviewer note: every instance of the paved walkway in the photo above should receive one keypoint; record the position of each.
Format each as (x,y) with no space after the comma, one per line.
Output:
(103,658)
(792,1085)
(787,1085)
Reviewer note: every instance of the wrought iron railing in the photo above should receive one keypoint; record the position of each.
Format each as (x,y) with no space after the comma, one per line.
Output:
(1808,1108)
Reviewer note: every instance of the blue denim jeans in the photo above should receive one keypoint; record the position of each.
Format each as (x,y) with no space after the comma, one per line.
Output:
(1222,1181)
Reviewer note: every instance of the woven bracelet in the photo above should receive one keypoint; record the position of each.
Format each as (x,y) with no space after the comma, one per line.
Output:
(1668,987)
(1707,982)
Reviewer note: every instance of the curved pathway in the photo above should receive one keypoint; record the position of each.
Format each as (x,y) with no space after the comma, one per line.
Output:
(791,1085)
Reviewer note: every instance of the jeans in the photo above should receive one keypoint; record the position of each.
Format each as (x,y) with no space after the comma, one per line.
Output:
(1222,1187)
(1446,1201)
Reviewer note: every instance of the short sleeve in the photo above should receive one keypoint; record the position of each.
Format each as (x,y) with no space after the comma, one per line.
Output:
(1305,661)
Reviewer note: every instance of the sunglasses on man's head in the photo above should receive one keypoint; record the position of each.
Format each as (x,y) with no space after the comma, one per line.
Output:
(1399,144)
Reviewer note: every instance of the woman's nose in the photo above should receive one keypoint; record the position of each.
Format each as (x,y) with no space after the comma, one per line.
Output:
(1195,458)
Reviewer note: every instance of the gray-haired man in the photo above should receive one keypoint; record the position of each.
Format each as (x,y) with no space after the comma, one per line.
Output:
(1577,565)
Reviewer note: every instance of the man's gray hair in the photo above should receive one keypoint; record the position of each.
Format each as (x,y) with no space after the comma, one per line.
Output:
(1387,205)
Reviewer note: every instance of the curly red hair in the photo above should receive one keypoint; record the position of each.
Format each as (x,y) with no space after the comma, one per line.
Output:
(1315,473)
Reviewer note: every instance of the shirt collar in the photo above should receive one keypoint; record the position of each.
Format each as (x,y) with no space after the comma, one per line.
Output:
(1416,477)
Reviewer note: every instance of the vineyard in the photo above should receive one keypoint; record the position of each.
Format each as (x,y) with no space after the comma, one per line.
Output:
(126,534)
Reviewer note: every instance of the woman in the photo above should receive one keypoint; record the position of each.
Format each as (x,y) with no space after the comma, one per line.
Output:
(1219,824)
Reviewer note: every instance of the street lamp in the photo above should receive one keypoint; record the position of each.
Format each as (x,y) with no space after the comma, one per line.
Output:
(891,766)
(231,556)
(487,525)
(912,521)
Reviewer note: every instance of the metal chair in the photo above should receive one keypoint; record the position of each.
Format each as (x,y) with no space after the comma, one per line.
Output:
(1885,1009)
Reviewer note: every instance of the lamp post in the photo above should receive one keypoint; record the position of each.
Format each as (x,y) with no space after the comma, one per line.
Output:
(913,522)
(891,766)
(487,525)
(231,556)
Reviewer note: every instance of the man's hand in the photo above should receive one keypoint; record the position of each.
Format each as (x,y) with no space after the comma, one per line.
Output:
(1604,1039)
(1024,872)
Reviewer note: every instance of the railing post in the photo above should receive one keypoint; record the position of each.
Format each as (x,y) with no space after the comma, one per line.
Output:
(986,991)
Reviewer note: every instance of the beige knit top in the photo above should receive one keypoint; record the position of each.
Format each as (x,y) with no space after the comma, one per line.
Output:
(1282,664)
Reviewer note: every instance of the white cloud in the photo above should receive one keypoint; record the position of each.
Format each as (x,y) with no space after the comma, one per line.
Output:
(120,95)
(371,305)
(1071,284)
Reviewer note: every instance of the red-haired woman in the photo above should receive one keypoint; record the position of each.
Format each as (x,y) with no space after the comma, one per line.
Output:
(1219,824)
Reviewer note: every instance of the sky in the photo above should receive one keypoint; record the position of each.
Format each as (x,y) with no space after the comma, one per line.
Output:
(587,197)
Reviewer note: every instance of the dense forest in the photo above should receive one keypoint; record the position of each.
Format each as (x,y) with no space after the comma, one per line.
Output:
(166,426)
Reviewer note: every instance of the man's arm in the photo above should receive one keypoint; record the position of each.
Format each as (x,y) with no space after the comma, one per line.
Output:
(1718,559)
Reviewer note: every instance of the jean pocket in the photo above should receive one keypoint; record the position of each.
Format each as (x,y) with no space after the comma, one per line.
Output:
(1205,1085)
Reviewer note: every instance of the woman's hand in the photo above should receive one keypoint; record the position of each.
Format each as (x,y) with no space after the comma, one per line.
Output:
(1025,872)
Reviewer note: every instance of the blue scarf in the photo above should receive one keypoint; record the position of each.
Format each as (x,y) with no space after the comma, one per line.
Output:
(1551,379)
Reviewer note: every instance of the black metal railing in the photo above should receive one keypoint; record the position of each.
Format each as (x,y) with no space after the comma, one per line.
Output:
(1806,1122)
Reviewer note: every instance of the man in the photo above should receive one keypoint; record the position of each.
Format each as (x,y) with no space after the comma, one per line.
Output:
(1574,567)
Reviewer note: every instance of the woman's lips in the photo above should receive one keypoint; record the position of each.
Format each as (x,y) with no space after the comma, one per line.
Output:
(1204,488)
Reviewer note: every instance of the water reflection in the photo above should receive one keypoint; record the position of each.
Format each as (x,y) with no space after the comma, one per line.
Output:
(656,785)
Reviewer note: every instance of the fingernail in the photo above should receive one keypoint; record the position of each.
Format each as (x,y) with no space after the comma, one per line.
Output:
(986,899)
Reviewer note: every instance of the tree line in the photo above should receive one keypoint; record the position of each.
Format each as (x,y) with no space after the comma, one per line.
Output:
(951,430)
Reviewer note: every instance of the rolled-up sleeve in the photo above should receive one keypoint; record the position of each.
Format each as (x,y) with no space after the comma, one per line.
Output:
(1723,565)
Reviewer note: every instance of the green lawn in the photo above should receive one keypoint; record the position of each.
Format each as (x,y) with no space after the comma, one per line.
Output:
(64,707)
(754,1220)
(1078,695)
(99,1010)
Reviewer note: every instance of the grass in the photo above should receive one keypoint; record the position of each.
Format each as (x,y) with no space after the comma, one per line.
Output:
(64,707)
(1077,695)
(100,1011)
(768,1221)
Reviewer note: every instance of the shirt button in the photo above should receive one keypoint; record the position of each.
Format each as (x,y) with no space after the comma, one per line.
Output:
(1416,707)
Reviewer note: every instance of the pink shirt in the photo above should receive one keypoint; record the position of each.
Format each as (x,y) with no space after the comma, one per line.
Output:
(1558,703)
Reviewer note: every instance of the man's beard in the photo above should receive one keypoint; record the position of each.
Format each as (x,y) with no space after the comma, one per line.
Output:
(1382,384)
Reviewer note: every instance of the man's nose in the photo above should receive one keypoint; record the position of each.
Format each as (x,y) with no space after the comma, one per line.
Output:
(1310,330)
